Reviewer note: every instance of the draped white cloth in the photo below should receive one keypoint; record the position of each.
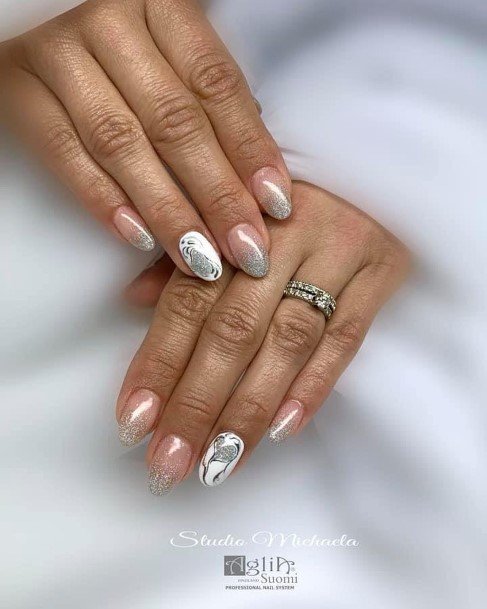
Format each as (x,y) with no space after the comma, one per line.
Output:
(384,103)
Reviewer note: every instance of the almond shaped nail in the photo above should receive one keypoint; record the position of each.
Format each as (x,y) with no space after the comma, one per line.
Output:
(286,421)
(138,416)
(169,465)
(248,250)
(271,191)
(220,459)
(200,256)
(132,228)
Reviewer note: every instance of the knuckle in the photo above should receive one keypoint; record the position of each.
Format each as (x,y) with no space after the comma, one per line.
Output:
(315,382)
(195,409)
(345,336)
(214,77)
(234,327)
(167,209)
(158,368)
(249,145)
(252,411)
(188,299)
(62,141)
(224,201)
(53,41)
(176,120)
(114,135)
(294,333)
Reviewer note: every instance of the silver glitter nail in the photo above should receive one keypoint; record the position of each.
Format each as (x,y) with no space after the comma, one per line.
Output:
(255,262)
(278,433)
(144,241)
(170,463)
(286,421)
(133,427)
(161,482)
(277,202)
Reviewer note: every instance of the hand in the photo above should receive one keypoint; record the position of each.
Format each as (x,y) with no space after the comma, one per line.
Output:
(205,337)
(119,96)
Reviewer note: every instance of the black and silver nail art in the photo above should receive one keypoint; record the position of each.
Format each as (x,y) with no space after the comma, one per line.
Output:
(222,456)
(200,256)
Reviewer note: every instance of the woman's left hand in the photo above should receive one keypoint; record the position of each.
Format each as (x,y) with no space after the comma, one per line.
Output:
(226,362)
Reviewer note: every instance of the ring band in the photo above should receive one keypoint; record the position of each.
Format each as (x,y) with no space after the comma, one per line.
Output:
(312,294)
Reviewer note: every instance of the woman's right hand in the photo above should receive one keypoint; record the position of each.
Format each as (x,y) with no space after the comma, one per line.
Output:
(126,98)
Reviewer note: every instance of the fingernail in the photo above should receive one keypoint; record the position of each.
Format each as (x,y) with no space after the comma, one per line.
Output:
(138,417)
(286,421)
(221,457)
(169,465)
(248,250)
(257,105)
(132,228)
(200,256)
(271,190)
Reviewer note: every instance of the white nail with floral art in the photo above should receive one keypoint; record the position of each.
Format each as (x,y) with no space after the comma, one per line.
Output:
(200,256)
(220,459)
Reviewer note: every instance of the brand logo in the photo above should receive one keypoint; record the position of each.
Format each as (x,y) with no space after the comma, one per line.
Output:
(279,568)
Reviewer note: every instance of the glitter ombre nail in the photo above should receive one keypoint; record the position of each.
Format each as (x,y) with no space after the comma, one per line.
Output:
(169,465)
(286,421)
(272,192)
(248,249)
(138,417)
(132,228)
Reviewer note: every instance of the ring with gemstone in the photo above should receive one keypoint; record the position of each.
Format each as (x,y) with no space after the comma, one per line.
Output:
(312,294)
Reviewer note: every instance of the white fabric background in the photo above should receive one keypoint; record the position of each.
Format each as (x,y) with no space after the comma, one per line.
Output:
(384,103)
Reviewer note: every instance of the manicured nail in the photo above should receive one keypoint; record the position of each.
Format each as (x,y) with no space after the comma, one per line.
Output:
(248,250)
(138,417)
(286,421)
(169,465)
(272,192)
(132,228)
(200,256)
(221,457)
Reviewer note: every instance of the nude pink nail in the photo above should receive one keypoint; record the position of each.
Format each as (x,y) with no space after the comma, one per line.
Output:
(132,228)
(169,465)
(286,421)
(138,416)
(248,249)
(272,192)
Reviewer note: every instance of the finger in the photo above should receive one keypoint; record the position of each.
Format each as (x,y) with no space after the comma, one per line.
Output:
(357,307)
(228,341)
(146,289)
(182,135)
(116,140)
(43,123)
(190,44)
(164,354)
(293,334)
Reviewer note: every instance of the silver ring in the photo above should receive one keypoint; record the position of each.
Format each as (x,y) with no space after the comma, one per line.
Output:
(312,294)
